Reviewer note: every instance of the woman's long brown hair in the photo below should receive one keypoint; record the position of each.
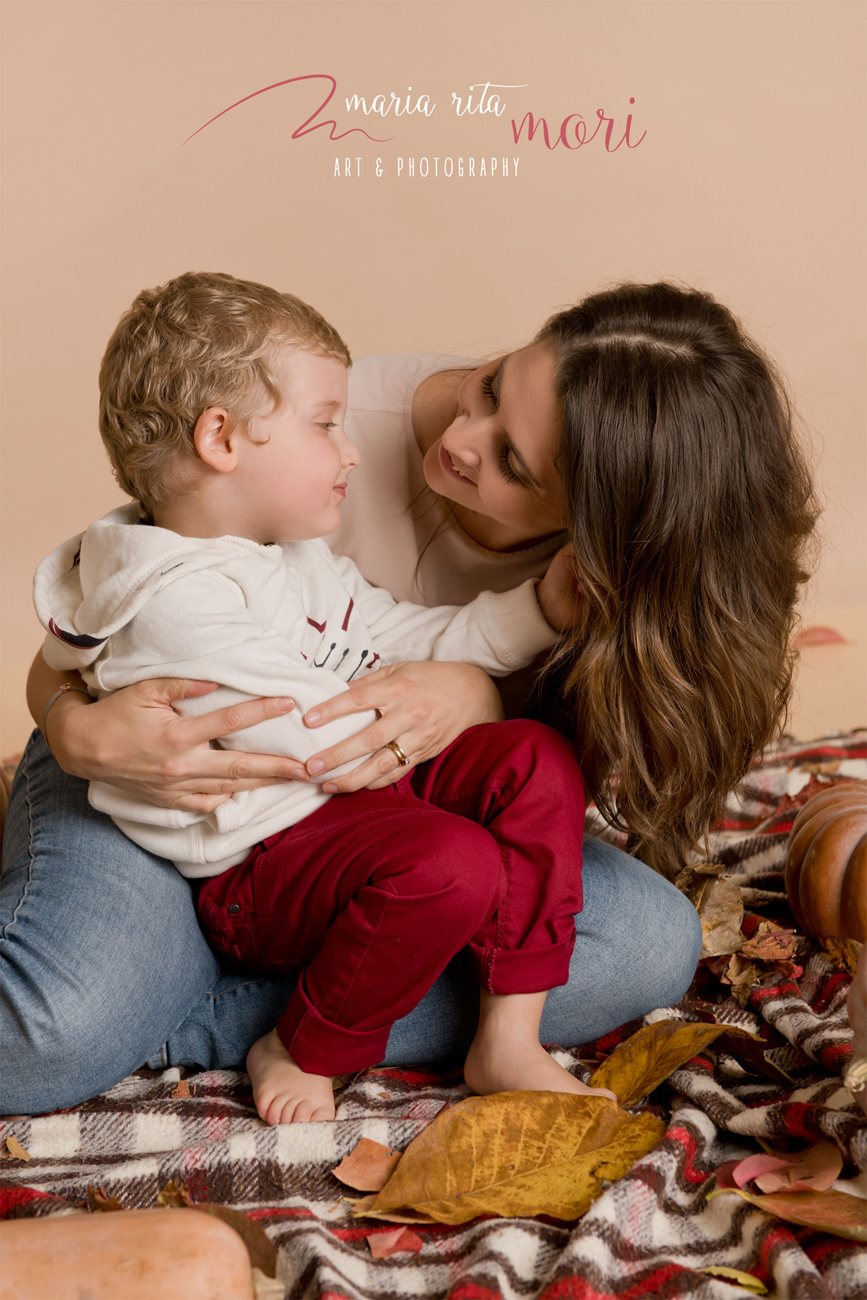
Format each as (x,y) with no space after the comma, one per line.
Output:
(691,508)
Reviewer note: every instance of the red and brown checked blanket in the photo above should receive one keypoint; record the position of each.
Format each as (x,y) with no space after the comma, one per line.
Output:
(650,1234)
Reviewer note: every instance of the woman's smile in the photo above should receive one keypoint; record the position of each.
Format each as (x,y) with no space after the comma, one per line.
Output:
(449,466)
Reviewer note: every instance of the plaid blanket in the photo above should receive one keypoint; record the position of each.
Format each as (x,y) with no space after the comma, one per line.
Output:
(651,1233)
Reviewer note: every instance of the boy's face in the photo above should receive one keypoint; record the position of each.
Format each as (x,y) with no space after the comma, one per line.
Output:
(294,466)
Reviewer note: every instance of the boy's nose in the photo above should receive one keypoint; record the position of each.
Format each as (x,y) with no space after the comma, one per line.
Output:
(349,454)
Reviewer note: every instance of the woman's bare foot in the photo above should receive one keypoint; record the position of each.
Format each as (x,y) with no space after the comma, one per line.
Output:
(506,1055)
(283,1093)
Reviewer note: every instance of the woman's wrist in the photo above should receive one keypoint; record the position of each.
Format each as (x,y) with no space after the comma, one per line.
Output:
(62,725)
(65,689)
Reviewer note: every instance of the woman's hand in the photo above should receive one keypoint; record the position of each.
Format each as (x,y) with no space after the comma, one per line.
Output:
(423,707)
(559,593)
(134,739)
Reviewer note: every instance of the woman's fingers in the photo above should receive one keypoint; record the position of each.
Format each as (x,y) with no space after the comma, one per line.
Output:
(200,802)
(366,741)
(380,689)
(380,770)
(235,717)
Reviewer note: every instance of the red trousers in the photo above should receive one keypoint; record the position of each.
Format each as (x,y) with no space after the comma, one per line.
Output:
(370,897)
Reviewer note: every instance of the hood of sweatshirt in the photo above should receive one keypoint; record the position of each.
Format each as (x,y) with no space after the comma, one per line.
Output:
(96,582)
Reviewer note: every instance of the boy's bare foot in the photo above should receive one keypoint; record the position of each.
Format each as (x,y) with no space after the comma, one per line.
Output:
(283,1093)
(524,1068)
(506,1055)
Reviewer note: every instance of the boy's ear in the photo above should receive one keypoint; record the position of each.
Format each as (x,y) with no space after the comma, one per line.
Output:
(215,438)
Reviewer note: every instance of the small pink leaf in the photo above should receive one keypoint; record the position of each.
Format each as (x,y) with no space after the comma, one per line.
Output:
(754,1166)
(391,1243)
(813,1170)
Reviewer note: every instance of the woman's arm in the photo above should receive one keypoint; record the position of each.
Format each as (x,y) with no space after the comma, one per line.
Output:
(423,706)
(134,739)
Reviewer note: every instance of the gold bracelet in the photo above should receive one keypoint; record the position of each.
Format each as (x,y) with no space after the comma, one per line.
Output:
(64,690)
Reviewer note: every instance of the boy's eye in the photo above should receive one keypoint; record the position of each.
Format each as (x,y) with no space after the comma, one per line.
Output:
(328,425)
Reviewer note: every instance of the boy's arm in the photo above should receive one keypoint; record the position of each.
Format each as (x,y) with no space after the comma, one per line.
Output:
(498,631)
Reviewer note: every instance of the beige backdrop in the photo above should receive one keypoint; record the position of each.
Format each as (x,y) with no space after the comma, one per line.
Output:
(749,182)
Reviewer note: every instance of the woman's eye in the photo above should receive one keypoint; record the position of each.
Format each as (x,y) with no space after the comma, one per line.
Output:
(488,389)
(329,425)
(506,465)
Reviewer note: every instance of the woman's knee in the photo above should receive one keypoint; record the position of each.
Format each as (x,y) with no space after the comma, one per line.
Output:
(636,926)
(100,953)
(675,940)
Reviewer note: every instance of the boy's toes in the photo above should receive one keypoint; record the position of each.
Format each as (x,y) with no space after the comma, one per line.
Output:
(273,1112)
(322,1113)
(604,1092)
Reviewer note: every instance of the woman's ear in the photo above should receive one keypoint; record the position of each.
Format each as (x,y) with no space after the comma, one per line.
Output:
(215,438)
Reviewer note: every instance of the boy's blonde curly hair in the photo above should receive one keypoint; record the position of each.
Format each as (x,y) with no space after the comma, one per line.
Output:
(203,339)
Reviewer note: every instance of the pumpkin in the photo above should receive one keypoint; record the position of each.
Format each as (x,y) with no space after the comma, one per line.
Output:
(134,1255)
(826,868)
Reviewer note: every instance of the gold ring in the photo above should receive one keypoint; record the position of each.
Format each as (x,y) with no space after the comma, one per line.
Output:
(395,748)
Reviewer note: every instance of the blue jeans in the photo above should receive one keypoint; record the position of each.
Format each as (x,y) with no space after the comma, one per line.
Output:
(104,967)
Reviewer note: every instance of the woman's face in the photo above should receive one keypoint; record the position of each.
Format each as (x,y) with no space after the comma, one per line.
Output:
(497,456)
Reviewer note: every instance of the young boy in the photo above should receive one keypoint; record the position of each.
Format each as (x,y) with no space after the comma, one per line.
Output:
(222,406)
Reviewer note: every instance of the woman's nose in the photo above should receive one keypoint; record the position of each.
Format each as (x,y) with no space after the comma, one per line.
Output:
(461,441)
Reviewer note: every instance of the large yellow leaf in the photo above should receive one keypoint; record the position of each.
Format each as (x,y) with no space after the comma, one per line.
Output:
(652,1054)
(514,1154)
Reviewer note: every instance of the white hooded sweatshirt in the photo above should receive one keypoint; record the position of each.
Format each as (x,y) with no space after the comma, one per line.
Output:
(127,601)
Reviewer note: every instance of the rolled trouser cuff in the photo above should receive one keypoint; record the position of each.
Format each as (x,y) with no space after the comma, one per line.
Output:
(318,1046)
(521,970)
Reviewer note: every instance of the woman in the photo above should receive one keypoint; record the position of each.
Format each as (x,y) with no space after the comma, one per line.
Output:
(644,423)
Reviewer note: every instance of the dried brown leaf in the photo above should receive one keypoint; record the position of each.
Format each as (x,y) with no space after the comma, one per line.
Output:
(749,1049)
(181,1089)
(747,1280)
(15,1149)
(174,1196)
(517,1154)
(719,906)
(368,1166)
(99,1200)
(843,952)
(770,943)
(834,1212)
